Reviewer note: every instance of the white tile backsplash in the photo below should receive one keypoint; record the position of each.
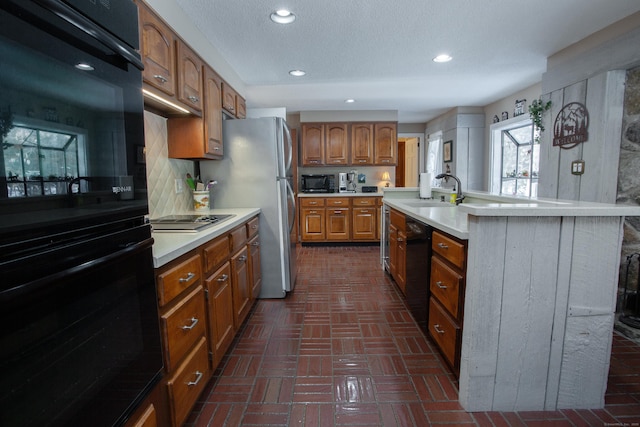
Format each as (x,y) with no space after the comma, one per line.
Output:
(163,171)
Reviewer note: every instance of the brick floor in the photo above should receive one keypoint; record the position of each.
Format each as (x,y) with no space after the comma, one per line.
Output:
(342,349)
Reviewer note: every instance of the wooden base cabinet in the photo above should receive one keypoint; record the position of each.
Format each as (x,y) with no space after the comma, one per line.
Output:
(398,249)
(338,217)
(446,304)
(203,298)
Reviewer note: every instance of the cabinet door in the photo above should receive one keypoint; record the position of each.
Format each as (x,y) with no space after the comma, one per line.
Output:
(338,224)
(336,149)
(229,99)
(254,262)
(393,249)
(241,286)
(189,77)
(312,222)
(157,46)
(241,107)
(364,223)
(213,112)
(385,143)
(220,302)
(312,144)
(401,265)
(362,144)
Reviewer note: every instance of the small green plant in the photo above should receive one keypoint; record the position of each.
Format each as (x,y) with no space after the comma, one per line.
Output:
(536,109)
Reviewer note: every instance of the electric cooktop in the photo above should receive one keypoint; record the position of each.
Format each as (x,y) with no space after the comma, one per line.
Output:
(182,223)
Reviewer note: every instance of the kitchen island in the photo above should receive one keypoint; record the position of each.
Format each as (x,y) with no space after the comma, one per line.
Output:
(539,299)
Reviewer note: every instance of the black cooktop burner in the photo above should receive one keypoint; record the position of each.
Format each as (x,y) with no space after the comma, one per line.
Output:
(189,222)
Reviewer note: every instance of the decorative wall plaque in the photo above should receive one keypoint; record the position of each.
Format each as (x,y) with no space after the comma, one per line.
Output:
(520,103)
(571,126)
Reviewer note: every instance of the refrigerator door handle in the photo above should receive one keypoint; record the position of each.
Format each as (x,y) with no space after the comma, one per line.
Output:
(290,144)
(293,203)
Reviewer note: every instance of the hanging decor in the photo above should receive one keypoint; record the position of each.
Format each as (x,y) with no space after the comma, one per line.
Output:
(519,109)
(571,126)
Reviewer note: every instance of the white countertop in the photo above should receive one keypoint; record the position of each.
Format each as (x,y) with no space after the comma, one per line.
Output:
(454,219)
(169,245)
(360,194)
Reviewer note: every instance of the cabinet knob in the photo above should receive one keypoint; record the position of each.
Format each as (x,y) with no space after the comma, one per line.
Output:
(194,322)
(243,258)
(160,78)
(255,244)
(223,278)
(194,99)
(442,246)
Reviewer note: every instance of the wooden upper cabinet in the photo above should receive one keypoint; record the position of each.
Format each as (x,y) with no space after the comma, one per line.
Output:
(385,143)
(312,150)
(213,113)
(158,51)
(190,80)
(362,144)
(241,107)
(336,149)
(228,99)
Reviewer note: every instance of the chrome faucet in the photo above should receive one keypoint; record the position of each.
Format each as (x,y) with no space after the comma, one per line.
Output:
(459,196)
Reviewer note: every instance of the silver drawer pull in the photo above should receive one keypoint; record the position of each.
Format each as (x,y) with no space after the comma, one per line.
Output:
(338,202)
(216,148)
(255,244)
(193,99)
(199,376)
(313,203)
(437,328)
(400,240)
(442,246)
(365,211)
(361,161)
(242,258)
(223,278)
(254,226)
(161,79)
(313,212)
(440,285)
(337,212)
(194,322)
(187,278)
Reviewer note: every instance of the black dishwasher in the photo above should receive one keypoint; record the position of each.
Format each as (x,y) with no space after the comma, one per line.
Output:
(418,264)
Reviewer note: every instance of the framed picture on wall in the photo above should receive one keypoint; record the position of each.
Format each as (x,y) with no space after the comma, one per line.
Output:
(447,151)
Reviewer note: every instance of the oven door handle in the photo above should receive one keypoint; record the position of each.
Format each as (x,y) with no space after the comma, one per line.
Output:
(131,248)
(74,18)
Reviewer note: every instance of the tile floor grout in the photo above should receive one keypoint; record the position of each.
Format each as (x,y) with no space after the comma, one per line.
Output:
(342,349)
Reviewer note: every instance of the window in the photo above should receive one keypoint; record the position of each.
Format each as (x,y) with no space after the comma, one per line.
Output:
(434,157)
(40,159)
(515,158)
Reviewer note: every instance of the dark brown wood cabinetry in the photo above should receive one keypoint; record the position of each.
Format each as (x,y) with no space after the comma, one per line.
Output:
(189,77)
(446,304)
(203,298)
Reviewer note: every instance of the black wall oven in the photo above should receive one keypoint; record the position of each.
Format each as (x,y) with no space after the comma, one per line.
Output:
(80,342)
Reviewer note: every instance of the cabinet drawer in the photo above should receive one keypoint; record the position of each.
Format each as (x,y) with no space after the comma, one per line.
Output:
(339,202)
(253,227)
(397,219)
(182,326)
(311,202)
(216,253)
(444,331)
(450,249)
(446,285)
(238,238)
(187,383)
(175,280)
(364,201)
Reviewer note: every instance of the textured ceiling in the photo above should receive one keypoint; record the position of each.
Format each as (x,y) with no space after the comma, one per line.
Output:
(380,52)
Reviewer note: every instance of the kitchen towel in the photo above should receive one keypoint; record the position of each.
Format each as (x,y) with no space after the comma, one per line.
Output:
(425,185)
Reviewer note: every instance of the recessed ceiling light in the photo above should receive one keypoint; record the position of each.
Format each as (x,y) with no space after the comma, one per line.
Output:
(349,101)
(283,16)
(297,73)
(442,58)
(84,66)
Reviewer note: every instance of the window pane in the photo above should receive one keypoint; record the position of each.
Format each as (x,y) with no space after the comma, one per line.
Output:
(508,187)
(509,158)
(53,140)
(524,160)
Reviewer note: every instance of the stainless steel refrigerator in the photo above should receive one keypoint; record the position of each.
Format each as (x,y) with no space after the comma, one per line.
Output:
(256,171)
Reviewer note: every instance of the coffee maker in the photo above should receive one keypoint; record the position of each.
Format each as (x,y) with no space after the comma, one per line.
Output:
(347,182)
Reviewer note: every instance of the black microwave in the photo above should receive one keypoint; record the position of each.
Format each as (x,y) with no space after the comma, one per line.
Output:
(318,183)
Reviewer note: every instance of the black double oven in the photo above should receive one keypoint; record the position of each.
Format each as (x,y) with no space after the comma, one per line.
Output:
(79,334)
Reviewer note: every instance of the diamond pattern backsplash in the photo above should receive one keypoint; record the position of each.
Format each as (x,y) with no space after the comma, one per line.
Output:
(162,171)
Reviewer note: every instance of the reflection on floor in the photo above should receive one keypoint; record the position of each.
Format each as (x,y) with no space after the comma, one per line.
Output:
(342,349)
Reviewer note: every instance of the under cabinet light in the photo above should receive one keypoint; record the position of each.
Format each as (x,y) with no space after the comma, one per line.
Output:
(164,101)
